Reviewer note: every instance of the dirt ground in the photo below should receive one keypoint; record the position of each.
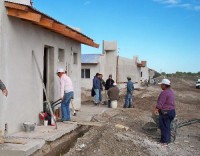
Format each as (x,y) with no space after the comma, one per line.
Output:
(110,140)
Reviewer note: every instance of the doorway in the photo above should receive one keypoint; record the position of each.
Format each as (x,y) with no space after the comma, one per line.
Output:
(48,72)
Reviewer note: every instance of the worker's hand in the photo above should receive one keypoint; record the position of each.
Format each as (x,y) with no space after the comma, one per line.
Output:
(5,92)
(156,111)
(61,98)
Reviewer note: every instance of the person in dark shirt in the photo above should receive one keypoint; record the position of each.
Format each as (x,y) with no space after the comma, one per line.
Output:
(96,87)
(109,82)
(102,84)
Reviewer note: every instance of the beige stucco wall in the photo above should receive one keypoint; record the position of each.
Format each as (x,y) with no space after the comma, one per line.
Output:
(145,73)
(18,70)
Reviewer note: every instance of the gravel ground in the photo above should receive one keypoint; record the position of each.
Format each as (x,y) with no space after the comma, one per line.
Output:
(132,140)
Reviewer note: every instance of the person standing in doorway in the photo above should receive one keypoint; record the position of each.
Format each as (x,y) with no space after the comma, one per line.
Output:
(3,88)
(166,109)
(129,94)
(66,93)
(96,87)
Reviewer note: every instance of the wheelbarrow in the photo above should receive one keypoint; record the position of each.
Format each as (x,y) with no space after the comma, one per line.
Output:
(152,127)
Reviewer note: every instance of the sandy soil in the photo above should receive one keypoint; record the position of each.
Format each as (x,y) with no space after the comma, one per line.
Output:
(110,140)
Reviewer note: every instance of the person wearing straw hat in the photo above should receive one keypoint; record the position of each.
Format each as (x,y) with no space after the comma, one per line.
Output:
(166,109)
(66,93)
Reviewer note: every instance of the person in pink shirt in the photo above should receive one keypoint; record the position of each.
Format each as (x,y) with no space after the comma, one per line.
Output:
(66,93)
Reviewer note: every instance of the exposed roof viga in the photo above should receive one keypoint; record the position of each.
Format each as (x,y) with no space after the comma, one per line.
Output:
(32,15)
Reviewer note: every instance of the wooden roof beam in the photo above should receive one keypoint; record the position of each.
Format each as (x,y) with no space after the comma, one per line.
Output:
(16,6)
(45,22)
(24,15)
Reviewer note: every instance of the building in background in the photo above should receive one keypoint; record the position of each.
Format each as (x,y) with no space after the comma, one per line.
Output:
(110,63)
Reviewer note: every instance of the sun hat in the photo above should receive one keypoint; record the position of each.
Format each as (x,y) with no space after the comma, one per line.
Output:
(60,70)
(165,81)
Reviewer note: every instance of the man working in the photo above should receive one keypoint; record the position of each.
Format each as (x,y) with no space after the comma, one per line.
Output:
(102,84)
(66,94)
(3,88)
(129,94)
(166,109)
(113,94)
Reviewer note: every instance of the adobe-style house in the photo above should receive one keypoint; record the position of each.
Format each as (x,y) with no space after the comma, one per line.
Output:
(24,31)
(110,63)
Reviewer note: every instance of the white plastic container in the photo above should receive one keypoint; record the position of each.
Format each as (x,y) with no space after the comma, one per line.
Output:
(114,104)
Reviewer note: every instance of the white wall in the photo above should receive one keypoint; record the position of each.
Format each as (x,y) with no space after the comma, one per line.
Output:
(26,2)
(145,73)
(19,72)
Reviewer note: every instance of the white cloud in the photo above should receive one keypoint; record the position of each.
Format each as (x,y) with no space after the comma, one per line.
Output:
(185,4)
(87,2)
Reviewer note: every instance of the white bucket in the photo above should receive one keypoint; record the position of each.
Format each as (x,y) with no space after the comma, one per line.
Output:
(45,122)
(114,104)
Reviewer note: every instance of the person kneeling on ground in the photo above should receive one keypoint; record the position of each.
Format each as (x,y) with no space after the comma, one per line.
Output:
(113,94)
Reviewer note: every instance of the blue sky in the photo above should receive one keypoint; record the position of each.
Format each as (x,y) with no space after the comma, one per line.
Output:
(166,33)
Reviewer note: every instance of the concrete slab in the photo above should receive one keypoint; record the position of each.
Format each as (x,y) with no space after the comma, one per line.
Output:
(42,134)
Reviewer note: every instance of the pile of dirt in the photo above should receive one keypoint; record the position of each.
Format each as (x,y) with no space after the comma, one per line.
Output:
(131,139)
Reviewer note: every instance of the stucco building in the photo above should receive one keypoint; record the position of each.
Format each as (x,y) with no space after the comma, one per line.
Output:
(110,63)
(24,31)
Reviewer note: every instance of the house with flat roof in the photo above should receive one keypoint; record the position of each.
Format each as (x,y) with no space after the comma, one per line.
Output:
(110,63)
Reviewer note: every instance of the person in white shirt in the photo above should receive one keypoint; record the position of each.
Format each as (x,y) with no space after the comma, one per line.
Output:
(66,93)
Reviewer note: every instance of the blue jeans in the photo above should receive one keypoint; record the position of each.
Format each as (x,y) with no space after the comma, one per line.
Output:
(128,100)
(65,106)
(96,96)
(164,123)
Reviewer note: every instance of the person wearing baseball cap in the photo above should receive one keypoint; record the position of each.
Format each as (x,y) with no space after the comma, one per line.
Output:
(166,109)
(66,93)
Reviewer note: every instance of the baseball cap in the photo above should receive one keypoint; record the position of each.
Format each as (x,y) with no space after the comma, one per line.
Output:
(165,81)
(60,70)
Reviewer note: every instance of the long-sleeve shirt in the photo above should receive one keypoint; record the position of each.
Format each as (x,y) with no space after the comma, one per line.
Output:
(166,100)
(130,86)
(2,86)
(96,83)
(65,85)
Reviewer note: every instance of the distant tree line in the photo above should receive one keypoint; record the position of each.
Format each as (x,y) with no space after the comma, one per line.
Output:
(181,74)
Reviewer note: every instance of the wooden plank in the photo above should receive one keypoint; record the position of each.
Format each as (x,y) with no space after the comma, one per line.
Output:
(24,15)
(46,22)
(84,123)
(16,6)
(58,27)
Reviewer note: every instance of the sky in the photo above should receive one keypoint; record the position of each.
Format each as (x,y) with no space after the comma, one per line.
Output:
(165,33)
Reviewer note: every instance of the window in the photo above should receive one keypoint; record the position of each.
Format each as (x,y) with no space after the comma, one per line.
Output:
(141,74)
(75,58)
(85,73)
(61,55)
